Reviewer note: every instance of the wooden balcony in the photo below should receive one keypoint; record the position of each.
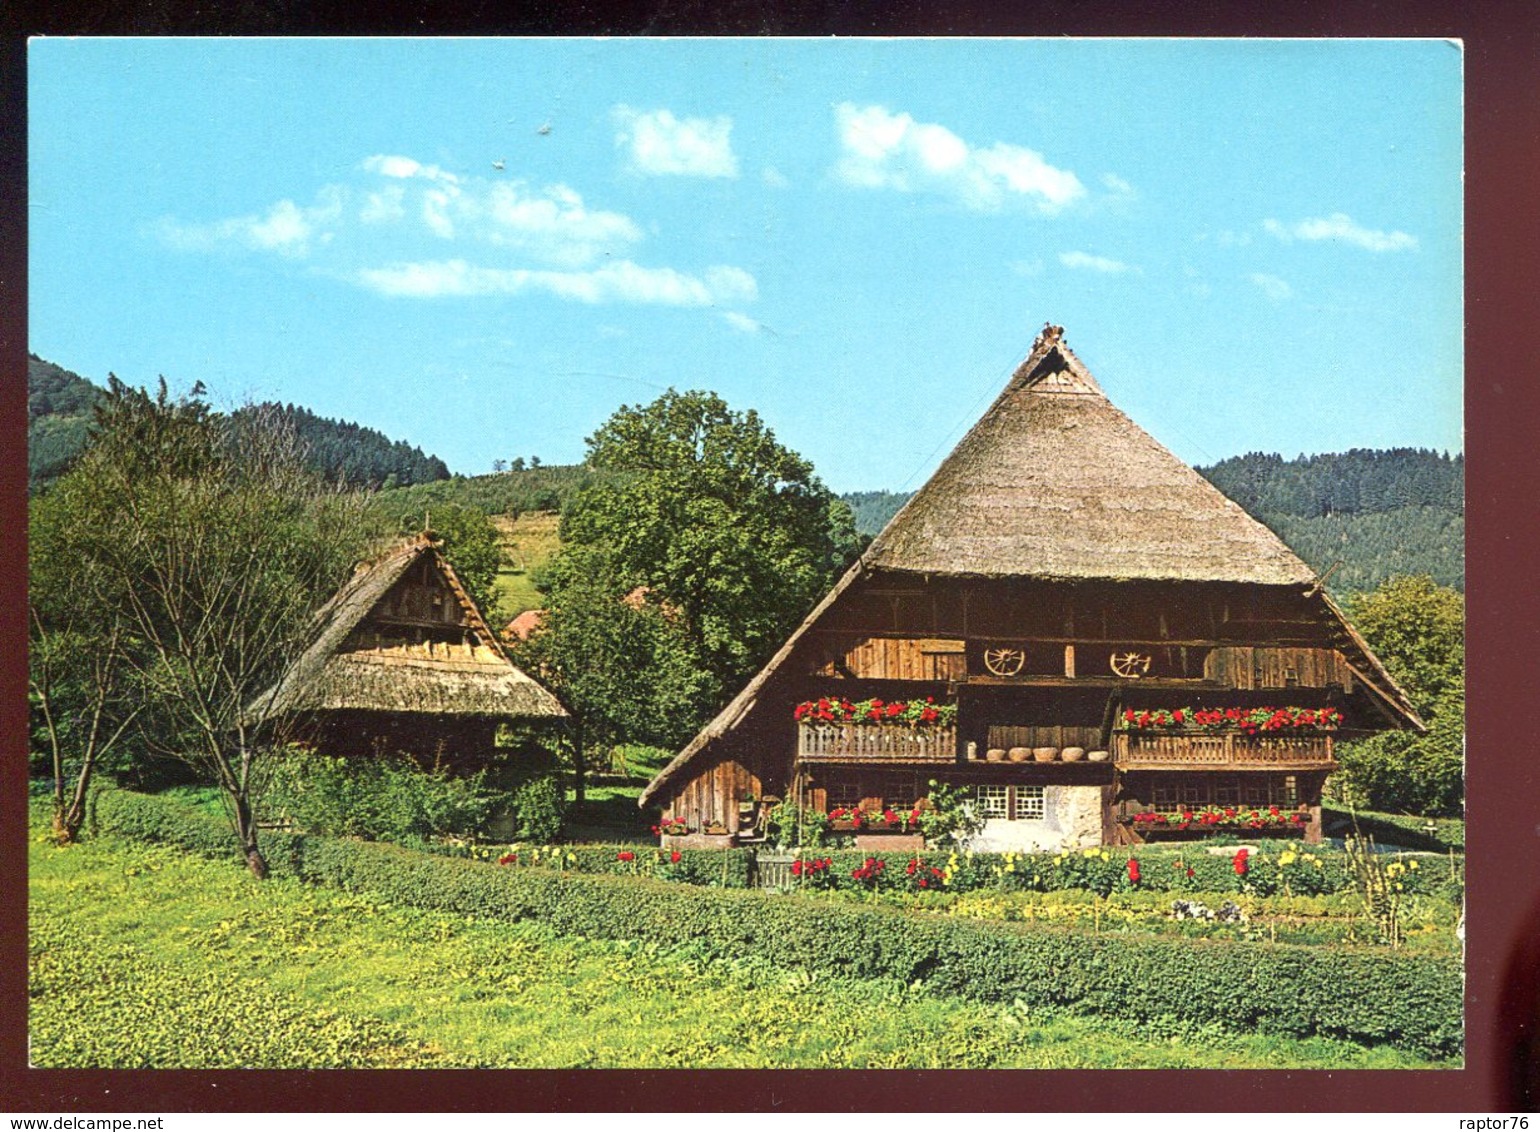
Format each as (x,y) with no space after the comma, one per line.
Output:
(1142,750)
(875,743)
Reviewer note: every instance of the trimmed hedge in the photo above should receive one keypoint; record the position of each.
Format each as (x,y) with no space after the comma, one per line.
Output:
(1413,1001)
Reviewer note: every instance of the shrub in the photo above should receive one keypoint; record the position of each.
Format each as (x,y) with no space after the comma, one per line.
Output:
(388,798)
(1414,1001)
(538,806)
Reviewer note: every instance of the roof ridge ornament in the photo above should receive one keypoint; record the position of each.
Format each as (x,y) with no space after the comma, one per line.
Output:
(1050,335)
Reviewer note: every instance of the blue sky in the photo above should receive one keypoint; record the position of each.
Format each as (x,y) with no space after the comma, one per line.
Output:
(486,246)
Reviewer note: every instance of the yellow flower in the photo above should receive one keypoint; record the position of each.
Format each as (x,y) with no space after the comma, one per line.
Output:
(1411,864)
(1315,862)
(1288,858)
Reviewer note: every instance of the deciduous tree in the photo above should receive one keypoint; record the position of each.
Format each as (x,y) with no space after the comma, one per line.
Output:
(215,546)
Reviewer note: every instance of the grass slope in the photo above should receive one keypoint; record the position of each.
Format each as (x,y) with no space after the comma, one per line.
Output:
(527,542)
(143,956)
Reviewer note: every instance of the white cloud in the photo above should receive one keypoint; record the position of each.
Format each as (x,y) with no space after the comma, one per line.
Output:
(384,206)
(1341,227)
(1270,285)
(622,281)
(658,143)
(1095,263)
(427,232)
(774,178)
(403,168)
(285,228)
(1028,267)
(742,322)
(1117,186)
(881,149)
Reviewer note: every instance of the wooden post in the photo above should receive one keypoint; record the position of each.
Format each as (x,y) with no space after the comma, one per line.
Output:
(1069,661)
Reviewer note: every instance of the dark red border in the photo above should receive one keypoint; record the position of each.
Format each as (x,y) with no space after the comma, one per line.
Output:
(1503,469)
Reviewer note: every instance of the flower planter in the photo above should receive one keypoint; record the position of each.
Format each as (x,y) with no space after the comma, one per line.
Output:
(1045,754)
(1072,754)
(697,841)
(995,755)
(1019,754)
(1196,832)
(884,840)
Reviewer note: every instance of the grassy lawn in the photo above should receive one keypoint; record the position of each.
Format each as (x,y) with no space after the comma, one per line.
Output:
(142,956)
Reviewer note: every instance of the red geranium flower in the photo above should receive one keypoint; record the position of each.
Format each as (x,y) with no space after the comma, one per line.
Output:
(674,856)
(625,855)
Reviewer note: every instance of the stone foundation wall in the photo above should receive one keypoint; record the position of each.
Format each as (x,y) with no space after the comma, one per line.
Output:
(1072,819)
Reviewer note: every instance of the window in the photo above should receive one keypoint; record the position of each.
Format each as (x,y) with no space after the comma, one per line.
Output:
(898,790)
(994,801)
(1227,792)
(1011,803)
(1195,793)
(1256,793)
(844,793)
(1030,803)
(1287,791)
(1165,794)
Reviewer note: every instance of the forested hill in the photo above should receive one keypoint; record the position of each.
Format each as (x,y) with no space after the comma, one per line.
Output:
(1377,512)
(353,454)
(1358,481)
(59,412)
(59,405)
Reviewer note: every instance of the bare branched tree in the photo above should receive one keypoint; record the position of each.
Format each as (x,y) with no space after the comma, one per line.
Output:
(219,544)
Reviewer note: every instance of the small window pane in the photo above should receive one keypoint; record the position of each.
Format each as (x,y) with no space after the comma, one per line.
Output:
(994,801)
(1030,803)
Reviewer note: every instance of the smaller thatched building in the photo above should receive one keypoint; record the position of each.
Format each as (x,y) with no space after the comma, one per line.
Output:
(404,661)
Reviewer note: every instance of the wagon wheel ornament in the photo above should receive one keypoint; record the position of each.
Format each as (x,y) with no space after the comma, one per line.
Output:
(1003,661)
(1130,665)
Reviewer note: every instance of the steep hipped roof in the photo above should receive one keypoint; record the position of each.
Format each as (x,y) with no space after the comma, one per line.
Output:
(1054,482)
(327,679)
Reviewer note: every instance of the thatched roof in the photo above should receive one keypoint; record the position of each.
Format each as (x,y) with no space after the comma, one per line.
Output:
(1054,482)
(477,681)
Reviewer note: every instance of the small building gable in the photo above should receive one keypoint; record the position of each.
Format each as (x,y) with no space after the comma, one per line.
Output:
(403,638)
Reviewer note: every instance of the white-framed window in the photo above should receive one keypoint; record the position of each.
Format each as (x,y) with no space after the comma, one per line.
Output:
(993,801)
(1031,803)
(1287,791)
(1011,803)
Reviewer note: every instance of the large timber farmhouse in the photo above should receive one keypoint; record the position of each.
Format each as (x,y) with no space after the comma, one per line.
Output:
(1084,634)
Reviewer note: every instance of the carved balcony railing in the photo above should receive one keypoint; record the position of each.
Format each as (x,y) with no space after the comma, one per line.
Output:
(875,742)
(1144,750)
